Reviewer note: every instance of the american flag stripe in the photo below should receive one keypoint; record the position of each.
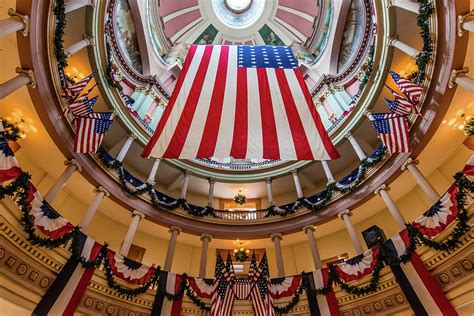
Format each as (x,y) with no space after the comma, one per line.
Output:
(393,130)
(410,89)
(222,108)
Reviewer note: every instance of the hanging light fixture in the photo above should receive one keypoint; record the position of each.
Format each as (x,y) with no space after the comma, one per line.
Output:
(240,198)
(240,253)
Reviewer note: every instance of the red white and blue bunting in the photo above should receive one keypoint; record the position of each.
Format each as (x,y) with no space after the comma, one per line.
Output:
(358,266)
(129,270)
(9,167)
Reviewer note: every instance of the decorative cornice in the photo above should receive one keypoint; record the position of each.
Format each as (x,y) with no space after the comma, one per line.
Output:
(74,163)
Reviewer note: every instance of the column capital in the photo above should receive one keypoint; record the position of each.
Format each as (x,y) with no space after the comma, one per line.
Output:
(383,187)
(132,136)
(29,73)
(211,180)
(151,182)
(309,227)
(392,40)
(175,229)
(23,18)
(344,213)
(268,180)
(349,135)
(206,236)
(461,19)
(74,163)
(409,161)
(187,173)
(139,214)
(275,236)
(294,172)
(455,73)
(390,4)
(90,39)
(103,190)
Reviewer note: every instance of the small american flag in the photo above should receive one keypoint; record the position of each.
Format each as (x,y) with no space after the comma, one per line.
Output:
(223,296)
(393,130)
(400,105)
(262,302)
(410,89)
(90,131)
(73,90)
(82,106)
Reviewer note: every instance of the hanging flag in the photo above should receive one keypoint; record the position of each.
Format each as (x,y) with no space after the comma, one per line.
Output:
(262,302)
(284,287)
(169,283)
(321,305)
(242,288)
(400,105)
(222,299)
(90,131)
(440,215)
(422,292)
(9,167)
(82,106)
(129,270)
(393,130)
(407,87)
(73,90)
(64,295)
(203,288)
(242,102)
(45,218)
(358,266)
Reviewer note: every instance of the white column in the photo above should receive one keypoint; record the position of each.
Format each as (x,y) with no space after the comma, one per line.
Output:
(268,181)
(360,153)
(153,171)
(206,239)
(25,77)
(397,216)
(276,238)
(210,195)
(74,48)
(309,231)
(72,5)
(175,231)
(346,217)
(184,188)
(132,229)
(100,194)
(410,165)
(71,167)
(459,78)
(296,179)
(126,147)
(465,23)
(15,23)
(327,171)
(407,49)
(404,4)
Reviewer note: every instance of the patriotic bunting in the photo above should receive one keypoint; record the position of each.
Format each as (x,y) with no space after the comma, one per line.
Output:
(359,266)
(320,304)
(422,292)
(46,219)
(9,167)
(163,306)
(258,107)
(262,301)
(469,167)
(203,288)
(284,287)
(64,295)
(129,270)
(440,215)
(222,299)
(410,89)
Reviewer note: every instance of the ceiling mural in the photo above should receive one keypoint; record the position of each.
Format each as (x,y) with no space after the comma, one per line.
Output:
(127,35)
(353,33)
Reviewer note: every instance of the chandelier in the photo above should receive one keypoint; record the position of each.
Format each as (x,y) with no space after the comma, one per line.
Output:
(240,253)
(240,198)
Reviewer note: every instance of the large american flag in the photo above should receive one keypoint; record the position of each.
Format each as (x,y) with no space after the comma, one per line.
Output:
(241,102)
(90,131)
(223,296)
(393,130)
(407,87)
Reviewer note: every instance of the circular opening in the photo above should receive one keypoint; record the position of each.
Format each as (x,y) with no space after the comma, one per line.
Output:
(238,14)
(238,6)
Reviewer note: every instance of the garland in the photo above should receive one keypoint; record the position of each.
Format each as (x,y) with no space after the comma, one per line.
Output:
(60,13)
(280,310)
(196,300)
(364,77)
(425,11)
(12,131)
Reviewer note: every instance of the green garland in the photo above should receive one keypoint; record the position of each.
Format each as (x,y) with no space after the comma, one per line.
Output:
(425,11)
(364,78)
(60,13)
(280,310)
(196,300)
(12,131)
